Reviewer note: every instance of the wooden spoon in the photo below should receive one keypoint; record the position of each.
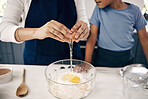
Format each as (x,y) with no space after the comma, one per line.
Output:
(22,90)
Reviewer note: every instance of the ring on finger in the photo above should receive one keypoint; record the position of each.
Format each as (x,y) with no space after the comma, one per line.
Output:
(53,31)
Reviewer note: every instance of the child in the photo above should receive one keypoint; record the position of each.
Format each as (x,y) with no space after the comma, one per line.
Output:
(112,25)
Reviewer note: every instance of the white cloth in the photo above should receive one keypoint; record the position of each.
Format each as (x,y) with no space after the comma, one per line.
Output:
(18,9)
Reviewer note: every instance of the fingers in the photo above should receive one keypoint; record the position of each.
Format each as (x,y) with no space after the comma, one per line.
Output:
(76,26)
(81,68)
(60,31)
(55,37)
(58,34)
(87,34)
(81,29)
(61,28)
(83,35)
(78,69)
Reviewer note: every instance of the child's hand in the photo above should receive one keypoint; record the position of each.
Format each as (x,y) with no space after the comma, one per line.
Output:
(82,30)
(82,68)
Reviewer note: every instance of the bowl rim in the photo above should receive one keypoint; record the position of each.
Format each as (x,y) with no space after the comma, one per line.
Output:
(130,66)
(70,84)
(4,75)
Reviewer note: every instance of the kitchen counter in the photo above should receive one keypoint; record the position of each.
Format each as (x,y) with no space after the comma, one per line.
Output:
(108,83)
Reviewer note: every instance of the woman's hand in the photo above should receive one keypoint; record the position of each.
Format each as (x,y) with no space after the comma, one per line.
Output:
(54,30)
(82,30)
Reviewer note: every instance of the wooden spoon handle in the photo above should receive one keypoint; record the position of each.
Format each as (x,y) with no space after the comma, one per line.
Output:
(23,76)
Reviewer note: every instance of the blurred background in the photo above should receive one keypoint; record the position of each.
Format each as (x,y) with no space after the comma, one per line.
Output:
(11,53)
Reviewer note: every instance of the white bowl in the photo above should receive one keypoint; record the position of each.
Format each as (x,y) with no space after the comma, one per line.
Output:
(6,76)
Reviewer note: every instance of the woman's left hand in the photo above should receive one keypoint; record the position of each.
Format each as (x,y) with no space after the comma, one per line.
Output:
(82,30)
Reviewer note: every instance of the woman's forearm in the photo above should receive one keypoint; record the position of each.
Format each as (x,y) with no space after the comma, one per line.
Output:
(52,29)
(24,34)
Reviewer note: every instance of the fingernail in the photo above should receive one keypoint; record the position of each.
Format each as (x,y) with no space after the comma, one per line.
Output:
(70,31)
(76,36)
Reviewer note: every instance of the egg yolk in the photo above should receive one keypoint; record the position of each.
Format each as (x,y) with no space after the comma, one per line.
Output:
(75,79)
(72,78)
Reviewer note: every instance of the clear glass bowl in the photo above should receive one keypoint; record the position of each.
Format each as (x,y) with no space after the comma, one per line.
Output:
(68,90)
(135,81)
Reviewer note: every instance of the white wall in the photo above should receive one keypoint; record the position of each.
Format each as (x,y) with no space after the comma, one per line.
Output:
(139,3)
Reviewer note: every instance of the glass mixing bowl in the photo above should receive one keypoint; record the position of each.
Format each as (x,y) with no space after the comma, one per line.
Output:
(69,90)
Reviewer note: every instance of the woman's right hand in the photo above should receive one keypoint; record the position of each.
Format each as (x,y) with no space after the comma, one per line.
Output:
(55,30)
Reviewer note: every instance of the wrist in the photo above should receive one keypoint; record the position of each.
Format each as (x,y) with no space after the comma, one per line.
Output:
(34,33)
(88,60)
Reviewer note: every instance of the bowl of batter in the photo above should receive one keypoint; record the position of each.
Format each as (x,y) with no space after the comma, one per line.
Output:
(70,79)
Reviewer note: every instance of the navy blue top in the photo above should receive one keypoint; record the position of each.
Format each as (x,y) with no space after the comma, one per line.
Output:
(116,26)
(44,52)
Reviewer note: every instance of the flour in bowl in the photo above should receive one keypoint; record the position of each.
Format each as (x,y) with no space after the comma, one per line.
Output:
(70,86)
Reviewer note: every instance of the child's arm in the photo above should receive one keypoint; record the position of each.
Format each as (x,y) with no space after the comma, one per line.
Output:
(90,44)
(143,37)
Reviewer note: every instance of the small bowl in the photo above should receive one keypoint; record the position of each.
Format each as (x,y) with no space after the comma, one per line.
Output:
(5,74)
